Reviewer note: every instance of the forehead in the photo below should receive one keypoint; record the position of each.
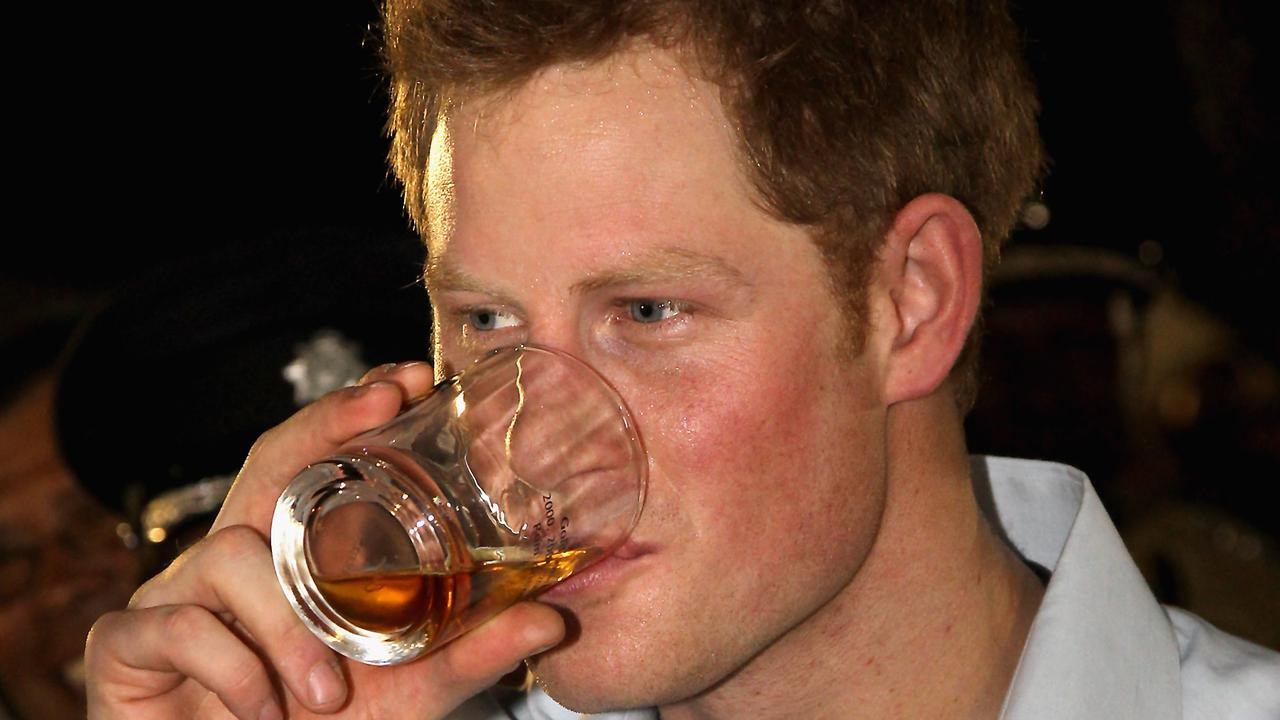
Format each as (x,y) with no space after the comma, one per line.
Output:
(631,143)
(642,96)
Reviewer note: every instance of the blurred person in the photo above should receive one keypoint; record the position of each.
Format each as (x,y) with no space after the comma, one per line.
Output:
(234,338)
(63,559)
(767,225)
(95,498)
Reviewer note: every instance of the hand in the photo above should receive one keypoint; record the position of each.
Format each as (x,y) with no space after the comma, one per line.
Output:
(213,637)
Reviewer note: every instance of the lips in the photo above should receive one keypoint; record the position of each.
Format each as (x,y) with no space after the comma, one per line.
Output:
(603,574)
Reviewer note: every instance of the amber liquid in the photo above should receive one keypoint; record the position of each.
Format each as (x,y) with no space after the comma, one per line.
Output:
(446,605)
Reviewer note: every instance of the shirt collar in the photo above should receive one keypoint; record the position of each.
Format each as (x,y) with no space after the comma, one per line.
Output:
(1100,644)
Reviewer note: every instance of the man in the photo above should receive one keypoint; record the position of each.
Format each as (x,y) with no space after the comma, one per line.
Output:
(767,227)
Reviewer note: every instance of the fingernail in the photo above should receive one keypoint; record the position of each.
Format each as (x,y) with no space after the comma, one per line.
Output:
(271,711)
(360,390)
(325,684)
(410,364)
(380,370)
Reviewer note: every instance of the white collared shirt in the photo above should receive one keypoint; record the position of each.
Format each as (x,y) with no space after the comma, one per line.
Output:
(1100,646)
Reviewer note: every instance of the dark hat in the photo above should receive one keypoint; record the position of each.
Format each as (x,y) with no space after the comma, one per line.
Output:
(173,380)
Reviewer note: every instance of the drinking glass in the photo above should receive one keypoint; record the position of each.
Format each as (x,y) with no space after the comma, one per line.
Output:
(505,479)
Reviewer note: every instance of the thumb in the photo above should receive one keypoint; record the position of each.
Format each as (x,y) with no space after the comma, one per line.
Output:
(503,642)
(476,660)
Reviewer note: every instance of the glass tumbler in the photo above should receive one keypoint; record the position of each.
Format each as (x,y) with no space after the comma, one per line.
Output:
(505,479)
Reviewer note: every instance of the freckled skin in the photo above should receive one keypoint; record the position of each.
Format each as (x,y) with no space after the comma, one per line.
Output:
(766,444)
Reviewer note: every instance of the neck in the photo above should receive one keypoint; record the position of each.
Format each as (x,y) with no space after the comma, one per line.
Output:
(931,626)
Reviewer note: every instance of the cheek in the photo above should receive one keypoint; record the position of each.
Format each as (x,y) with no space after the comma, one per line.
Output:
(718,423)
(770,472)
(748,450)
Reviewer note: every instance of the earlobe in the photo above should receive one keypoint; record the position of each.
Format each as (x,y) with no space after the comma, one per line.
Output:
(931,272)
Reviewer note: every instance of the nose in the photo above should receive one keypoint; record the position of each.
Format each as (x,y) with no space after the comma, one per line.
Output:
(560,330)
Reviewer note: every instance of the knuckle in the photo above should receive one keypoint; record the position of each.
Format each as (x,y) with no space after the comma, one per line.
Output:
(235,544)
(139,597)
(304,417)
(297,636)
(153,591)
(186,622)
(104,625)
(142,597)
(308,416)
(451,671)
(245,679)
(265,440)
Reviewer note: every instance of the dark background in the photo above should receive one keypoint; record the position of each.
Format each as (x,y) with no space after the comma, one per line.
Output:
(151,134)
(147,134)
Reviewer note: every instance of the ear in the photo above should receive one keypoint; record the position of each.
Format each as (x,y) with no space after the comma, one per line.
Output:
(929,283)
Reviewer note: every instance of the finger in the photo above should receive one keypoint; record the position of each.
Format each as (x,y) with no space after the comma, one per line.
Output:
(139,655)
(311,434)
(502,643)
(315,432)
(475,661)
(231,572)
(416,378)
(391,371)
(375,373)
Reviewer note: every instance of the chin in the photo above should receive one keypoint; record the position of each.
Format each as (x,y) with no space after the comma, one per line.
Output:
(583,680)
(617,673)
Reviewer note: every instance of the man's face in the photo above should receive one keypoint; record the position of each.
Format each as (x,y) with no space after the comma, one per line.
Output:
(603,211)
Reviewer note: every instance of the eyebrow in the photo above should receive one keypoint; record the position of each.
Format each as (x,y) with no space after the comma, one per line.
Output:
(671,263)
(442,275)
(662,264)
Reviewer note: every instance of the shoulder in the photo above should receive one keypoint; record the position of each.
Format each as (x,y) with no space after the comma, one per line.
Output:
(1224,676)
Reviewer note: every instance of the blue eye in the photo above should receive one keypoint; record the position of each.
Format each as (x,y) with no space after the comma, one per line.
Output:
(487,319)
(652,311)
(483,320)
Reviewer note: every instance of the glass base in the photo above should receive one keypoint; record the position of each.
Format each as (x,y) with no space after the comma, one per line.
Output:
(347,522)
